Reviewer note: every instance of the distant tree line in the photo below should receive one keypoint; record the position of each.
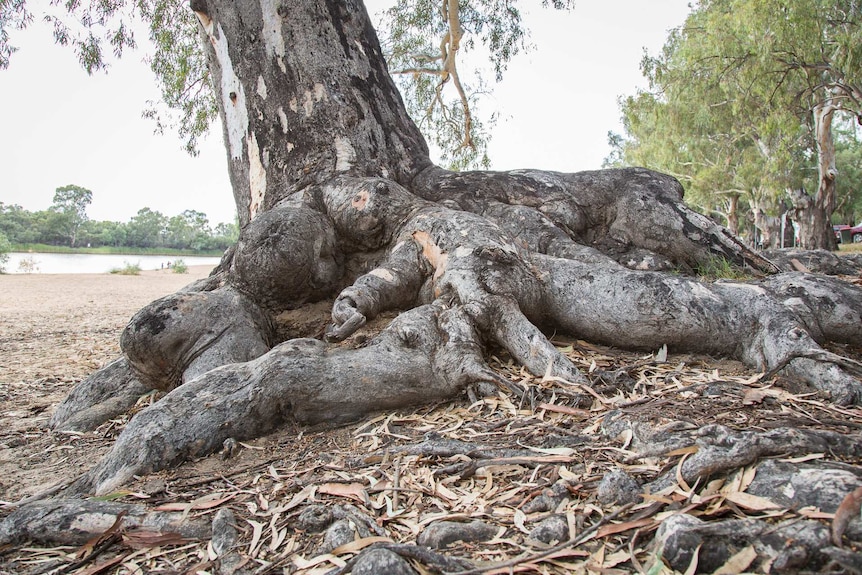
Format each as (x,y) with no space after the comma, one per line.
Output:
(65,223)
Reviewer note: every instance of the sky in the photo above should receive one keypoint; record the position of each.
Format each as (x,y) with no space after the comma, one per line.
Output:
(59,126)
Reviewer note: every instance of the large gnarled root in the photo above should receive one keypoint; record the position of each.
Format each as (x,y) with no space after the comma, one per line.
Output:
(462,258)
(483,289)
(427,354)
(763,325)
(634,215)
(286,257)
(181,336)
(106,393)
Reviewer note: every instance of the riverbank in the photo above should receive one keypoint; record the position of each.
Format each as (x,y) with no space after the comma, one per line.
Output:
(48,263)
(113,250)
(69,324)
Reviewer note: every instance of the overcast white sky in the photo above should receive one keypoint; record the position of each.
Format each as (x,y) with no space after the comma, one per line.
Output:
(59,126)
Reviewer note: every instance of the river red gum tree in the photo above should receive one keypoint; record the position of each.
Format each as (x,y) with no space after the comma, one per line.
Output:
(337,198)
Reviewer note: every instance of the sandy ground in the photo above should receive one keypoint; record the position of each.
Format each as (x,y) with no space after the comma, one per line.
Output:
(70,323)
(55,329)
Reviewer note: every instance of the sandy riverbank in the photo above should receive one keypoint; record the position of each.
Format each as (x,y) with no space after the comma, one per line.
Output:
(64,326)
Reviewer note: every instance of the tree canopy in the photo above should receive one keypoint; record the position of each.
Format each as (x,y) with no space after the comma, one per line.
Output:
(741,103)
(435,51)
(70,203)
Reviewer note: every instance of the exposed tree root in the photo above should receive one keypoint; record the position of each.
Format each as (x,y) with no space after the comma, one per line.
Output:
(76,521)
(485,288)
(417,359)
(720,450)
(107,393)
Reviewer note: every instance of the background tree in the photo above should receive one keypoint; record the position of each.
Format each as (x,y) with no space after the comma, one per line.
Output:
(753,96)
(224,235)
(146,229)
(17,224)
(189,230)
(105,233)
(848,188)
(70,204)
(5,248)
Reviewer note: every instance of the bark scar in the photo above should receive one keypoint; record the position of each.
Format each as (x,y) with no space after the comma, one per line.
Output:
(431,252)
(360,200)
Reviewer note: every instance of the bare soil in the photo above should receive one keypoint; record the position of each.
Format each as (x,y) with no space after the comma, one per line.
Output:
(55,329)
(396,470)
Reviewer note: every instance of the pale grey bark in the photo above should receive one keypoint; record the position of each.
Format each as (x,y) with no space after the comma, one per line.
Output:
(107,393)
(338,199)
(76,521)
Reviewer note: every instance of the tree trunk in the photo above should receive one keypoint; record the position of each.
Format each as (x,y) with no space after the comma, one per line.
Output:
(769,228)
(732,213)
(338,199)
(814,214)
(304,93)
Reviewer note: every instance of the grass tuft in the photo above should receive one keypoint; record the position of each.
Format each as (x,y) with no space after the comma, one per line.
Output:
(128,269)
(180,267)
(716,267)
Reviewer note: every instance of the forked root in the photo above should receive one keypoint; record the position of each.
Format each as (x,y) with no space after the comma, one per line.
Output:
(427,354)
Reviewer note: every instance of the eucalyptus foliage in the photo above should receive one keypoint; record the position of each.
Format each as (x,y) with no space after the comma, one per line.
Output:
(5,248)
(427,43)
(187,231)
(730,108)
(70,206)
(848,158)
(424,41)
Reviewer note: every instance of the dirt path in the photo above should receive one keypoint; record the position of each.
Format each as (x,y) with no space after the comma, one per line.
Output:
(66,325)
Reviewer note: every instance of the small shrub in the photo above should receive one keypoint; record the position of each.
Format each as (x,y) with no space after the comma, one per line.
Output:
(180,267)
(5,248)
(128,269)
(28,265)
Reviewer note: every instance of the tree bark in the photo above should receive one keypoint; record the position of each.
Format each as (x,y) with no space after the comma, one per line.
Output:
(303,94)
(814,213)
(338,199)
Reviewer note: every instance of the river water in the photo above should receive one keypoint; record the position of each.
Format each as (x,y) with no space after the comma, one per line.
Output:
(95,263)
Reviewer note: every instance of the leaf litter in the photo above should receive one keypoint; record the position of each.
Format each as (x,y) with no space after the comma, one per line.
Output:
(508,460)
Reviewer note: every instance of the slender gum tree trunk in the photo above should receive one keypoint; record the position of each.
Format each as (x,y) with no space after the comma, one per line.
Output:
(814,214)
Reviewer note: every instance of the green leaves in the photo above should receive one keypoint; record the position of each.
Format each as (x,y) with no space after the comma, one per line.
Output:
(730,100)
(443,54)
(188,103)
(429,45)
(15,16)
(5,248)
(70,204)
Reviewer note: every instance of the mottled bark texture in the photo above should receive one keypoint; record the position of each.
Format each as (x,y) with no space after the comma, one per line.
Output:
(338,199)
(76,521)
